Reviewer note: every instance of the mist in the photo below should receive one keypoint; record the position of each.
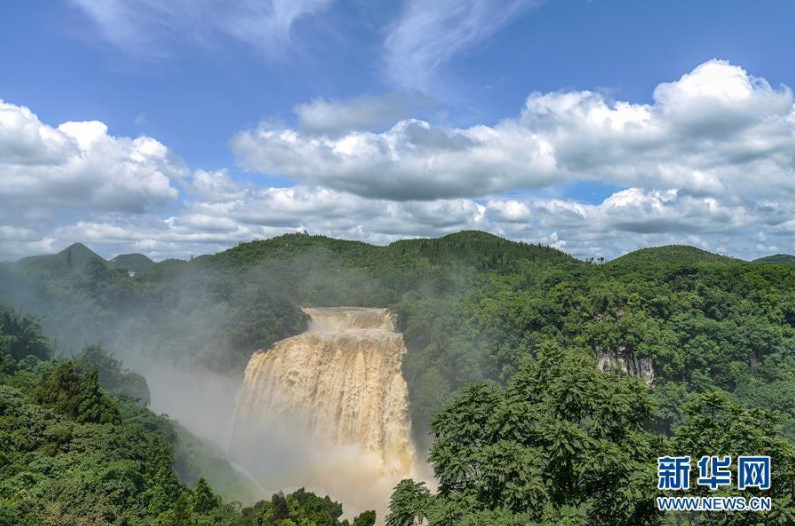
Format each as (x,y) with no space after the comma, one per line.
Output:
(329,409)
(198,398)
(192,328)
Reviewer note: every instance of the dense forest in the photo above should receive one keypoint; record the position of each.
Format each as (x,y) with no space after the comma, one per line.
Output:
(511,336)
(78,446)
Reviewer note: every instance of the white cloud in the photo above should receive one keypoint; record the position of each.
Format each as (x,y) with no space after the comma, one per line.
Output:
(642,212)
(140,26)
(721,95)
(626,220)
(710,162)
(51,174)
(78,164)
(429,34)
(216,219)
(26,141)
(358,113)
(412,160)
(716,131)
(215,186)
(330,212)
(13,249)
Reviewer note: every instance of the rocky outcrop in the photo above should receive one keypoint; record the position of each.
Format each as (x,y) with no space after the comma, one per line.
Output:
(627,362)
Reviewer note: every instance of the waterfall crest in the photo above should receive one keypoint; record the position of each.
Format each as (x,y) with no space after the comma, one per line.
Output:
(333,402)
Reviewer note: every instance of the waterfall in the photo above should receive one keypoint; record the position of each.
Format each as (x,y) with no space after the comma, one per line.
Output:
(329,409)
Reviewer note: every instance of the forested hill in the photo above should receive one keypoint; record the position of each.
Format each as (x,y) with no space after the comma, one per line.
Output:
(778,259)
(674,255)
(77,256)
(469,248)
(473,308)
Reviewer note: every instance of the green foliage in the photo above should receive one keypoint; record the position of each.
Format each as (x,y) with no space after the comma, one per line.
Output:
(473,309)
(182,514)
(73,257)
(137,263)
(561,435)
(778,259)
(301,508)
(199,458)
(65,392)
(58,470)
(112,375)
(365,518)
(204,500)
(410,504)
(72,454)
(471,306)
(673,255)
(714,424)
(564,443)
(20,337)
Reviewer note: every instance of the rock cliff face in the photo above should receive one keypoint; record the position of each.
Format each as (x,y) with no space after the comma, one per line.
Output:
(626,361)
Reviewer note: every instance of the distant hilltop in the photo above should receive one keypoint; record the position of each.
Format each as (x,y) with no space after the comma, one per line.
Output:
(778,259)
(77,256)
(467,244)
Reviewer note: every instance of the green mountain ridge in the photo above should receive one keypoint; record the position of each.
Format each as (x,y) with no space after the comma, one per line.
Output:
(675,254)
(472,243)
(77,255)
(133,262)
(778,259)
(74,257)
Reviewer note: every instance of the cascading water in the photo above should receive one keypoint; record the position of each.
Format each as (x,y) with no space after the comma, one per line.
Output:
(328,409)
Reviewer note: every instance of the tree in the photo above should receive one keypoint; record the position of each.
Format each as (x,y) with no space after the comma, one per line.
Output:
(80,399)
(306,507)
(562,438)
(301,508)
(409,504)
(61,390)
(365,518)
(713,425)
(21,336)
(204,500)
(95,406)
(181,515)
(112,375)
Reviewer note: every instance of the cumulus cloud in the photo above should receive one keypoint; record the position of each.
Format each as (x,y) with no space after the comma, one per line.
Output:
(78,164)
(211,226)
(226,212)
(50,174)
(411,160)
(140,26)
(709,162)
(429,34)
(626,220)
(214,186)
(715,131)
(358,113)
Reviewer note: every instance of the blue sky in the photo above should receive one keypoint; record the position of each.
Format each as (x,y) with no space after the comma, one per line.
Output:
(227,121)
